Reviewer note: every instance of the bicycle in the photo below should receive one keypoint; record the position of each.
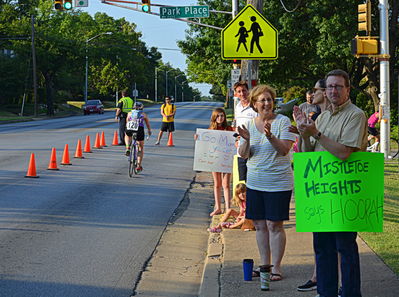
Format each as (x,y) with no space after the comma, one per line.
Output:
(134,148)
(373,146)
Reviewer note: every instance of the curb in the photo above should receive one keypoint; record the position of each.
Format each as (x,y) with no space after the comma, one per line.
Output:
(210,281)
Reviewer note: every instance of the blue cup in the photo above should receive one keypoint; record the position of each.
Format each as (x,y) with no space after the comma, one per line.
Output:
(247,266)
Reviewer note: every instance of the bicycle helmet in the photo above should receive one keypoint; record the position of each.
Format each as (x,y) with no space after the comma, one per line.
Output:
(139,105)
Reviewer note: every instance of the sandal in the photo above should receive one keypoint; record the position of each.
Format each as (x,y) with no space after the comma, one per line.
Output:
(214,230)
(274,277)
(226,224)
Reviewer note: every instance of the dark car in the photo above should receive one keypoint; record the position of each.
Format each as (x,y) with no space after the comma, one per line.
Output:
(93,106)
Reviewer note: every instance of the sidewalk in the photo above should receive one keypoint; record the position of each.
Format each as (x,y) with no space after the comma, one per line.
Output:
(223,274)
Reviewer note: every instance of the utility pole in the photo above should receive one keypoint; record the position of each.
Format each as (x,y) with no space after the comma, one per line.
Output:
(156,84)
(34,65)
(384,79)
(250,68)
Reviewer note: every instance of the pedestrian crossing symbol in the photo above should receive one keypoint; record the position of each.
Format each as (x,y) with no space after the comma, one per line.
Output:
(249,36)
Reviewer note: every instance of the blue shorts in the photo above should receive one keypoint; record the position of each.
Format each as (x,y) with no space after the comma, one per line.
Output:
(271,206)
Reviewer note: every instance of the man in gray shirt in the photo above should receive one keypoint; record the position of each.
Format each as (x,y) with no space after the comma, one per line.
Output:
(307,107)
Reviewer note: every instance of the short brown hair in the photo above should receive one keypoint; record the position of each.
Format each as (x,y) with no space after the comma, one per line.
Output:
(257,91)
(341,73)
(240,84)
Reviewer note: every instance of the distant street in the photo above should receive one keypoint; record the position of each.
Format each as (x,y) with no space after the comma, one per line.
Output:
(88,229)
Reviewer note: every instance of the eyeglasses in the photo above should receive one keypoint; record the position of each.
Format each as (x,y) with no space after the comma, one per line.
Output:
(337,87)
(263,101)
(316,89)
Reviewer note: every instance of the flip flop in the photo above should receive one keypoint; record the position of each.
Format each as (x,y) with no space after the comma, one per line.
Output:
(274,277)
(214,230)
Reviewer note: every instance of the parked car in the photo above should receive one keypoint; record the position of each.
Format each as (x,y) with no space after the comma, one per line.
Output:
(93,106)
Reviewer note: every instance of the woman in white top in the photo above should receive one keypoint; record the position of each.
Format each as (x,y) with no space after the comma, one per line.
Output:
(266,144)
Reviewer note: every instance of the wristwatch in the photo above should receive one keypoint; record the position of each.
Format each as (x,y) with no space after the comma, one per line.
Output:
(317,136)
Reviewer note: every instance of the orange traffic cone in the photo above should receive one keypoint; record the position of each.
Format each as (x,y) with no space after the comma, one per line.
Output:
(65,156)
(32,167)
(52,165)
(78,152)
(115,140)
(102,140)
(87,145)
(97,142)
(170,139)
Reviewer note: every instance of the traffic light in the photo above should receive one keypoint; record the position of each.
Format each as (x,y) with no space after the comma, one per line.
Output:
(364,17)
(235,61)
(68,4)
(58,4)
(146,5)
(365,45)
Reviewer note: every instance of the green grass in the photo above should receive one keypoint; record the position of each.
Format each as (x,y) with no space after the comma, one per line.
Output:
(386,244)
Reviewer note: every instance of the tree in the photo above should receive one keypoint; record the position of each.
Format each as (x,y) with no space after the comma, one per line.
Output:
(313,40)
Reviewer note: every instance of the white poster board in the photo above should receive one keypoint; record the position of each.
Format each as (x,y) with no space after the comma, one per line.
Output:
(214,151)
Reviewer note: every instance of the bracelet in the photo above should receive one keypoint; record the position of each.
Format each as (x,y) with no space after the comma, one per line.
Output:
(270,136)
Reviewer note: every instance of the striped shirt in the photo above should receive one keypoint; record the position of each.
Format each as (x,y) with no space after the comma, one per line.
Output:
(267,170)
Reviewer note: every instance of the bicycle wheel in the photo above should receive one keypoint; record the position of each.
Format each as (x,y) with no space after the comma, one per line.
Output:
(135,150)
(132,167)
(394,145)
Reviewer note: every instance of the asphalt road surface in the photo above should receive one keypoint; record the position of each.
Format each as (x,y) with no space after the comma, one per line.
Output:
(87,229)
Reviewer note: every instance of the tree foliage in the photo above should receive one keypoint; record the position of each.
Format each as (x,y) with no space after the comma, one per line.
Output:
(63,40)
(313,40)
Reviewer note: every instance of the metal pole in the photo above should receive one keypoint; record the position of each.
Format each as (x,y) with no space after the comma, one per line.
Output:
(175,86)
(156,84)
(234,5)
(175,89)
(86,72)
(34,66)
(87,61)
(166,83)
(384,80)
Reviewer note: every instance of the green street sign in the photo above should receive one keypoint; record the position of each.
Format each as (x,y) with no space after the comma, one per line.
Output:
(179,12)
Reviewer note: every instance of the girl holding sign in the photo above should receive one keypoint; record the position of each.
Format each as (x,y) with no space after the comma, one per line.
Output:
(220,179)
(266,143)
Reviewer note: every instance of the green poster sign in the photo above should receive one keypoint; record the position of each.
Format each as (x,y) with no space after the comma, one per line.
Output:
(335,195)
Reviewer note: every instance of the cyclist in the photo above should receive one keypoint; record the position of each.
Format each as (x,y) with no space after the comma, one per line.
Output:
(135,124)
(373,132)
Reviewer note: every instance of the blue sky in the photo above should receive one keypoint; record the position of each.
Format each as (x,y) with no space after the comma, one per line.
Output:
(161,33)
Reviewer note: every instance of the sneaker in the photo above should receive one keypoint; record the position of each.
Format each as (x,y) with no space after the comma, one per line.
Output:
(139,168)
(308,286)
(127,153)
(157,143)
(340,292)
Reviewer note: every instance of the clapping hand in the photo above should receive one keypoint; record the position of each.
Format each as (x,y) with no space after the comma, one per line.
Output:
(267,129)
(244,133)
(306,126)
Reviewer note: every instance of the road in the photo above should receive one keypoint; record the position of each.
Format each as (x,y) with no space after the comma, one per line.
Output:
(87,229)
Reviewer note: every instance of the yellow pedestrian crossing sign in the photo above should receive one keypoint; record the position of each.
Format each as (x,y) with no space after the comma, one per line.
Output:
(249,36)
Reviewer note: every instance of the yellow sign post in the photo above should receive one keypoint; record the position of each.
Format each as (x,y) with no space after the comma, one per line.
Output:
(249,36)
